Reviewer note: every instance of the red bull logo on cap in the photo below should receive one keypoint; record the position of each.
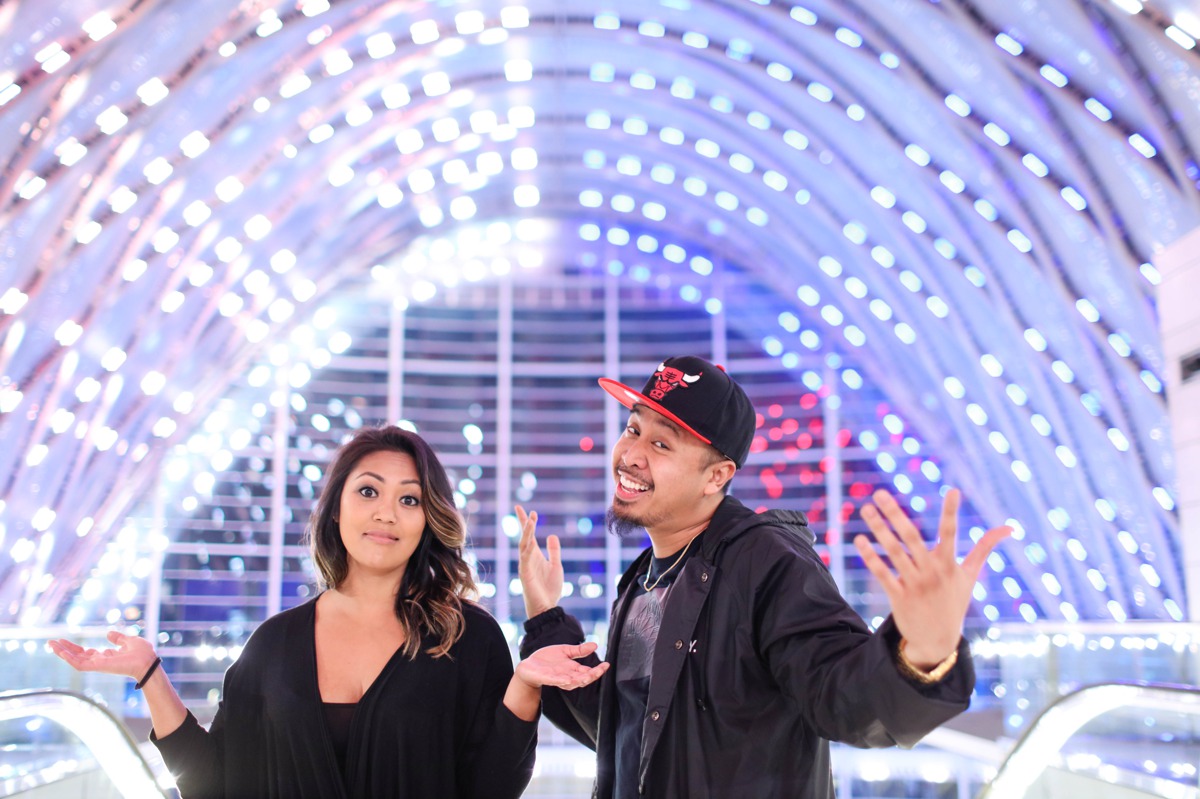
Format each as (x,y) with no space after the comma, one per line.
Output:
(667,379)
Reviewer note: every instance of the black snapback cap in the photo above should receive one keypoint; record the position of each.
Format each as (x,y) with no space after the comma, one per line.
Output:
(700,397)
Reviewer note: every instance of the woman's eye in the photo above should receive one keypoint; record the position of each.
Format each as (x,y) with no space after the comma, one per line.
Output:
(412,502)
(368,491)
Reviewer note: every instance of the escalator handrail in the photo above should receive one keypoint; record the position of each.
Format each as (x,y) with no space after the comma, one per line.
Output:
(99,730)
(1044,738)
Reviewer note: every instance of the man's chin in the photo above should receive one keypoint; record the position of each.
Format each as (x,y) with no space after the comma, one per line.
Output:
(620,523)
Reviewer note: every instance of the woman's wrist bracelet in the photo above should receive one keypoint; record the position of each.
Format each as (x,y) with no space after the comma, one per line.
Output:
(149,673)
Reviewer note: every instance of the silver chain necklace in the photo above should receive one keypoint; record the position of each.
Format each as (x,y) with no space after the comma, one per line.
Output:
(646,581)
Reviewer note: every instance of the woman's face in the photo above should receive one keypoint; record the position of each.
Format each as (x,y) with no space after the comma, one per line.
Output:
(381,515)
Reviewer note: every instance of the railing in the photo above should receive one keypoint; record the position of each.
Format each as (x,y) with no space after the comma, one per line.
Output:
(1108,741)
(50,737)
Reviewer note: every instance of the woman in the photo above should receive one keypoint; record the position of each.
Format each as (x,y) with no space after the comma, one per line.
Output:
(390,683)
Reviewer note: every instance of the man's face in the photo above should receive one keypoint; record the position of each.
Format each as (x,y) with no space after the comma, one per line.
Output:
(660,472)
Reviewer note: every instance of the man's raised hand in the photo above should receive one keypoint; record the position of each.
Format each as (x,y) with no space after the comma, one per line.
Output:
(541,574)
(929,589)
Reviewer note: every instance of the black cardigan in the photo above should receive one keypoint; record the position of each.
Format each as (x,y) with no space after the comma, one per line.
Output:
(428,727)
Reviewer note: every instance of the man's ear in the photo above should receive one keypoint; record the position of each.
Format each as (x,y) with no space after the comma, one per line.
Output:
(719,475)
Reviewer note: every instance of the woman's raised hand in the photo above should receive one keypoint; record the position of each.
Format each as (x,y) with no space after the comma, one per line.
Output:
(558,666)
(132,657)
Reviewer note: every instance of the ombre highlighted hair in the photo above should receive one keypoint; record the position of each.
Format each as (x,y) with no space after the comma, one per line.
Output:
(437,580)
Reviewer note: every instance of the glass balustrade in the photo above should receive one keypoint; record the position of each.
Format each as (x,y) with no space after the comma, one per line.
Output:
(1108,741)
(59,744)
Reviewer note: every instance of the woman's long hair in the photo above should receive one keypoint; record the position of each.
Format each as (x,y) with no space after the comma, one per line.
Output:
(437,578)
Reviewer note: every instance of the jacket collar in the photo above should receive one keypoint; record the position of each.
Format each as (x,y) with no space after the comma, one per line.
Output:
(733,519)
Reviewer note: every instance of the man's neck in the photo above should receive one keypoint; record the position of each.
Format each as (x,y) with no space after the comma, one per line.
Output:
(667,539)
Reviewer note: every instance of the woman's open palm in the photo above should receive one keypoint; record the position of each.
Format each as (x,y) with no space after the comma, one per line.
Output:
(131,658)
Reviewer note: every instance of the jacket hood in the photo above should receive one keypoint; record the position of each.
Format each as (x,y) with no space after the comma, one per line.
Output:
(735,519)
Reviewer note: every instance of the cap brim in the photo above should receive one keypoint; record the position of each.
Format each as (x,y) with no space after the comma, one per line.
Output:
(630,397)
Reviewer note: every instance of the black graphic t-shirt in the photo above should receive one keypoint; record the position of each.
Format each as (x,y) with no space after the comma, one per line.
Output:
(634,663)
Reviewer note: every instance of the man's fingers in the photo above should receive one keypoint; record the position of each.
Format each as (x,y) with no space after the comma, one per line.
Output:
(875,565)
(904,529)
(948,523)
(886,538)
(528,522)
(973,563)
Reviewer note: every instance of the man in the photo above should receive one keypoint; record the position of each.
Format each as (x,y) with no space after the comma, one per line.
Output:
(733,657)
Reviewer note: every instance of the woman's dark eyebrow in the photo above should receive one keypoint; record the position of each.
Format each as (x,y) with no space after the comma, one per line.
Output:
(380,478)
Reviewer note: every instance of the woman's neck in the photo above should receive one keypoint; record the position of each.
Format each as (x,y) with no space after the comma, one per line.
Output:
(367,591)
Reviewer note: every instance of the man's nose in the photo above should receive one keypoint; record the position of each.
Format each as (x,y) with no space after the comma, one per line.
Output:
(633,453)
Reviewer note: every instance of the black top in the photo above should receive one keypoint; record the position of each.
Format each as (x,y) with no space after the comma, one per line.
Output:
(634,665)
(427,727)
(338,718)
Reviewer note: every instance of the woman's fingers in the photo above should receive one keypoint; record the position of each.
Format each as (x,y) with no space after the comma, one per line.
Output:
(576,651)
(76,656)
(593,674)
(578,676)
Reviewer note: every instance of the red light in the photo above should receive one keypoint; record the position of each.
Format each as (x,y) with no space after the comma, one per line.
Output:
(775,411)
(586,443)
(771,482)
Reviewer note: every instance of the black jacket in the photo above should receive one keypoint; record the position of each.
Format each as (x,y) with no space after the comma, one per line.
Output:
(427,727)
(759,663)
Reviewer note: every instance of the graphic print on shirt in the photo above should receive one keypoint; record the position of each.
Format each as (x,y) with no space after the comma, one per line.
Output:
(634,664)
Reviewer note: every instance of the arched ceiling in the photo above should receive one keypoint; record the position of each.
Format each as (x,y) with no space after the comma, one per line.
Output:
(963,199)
